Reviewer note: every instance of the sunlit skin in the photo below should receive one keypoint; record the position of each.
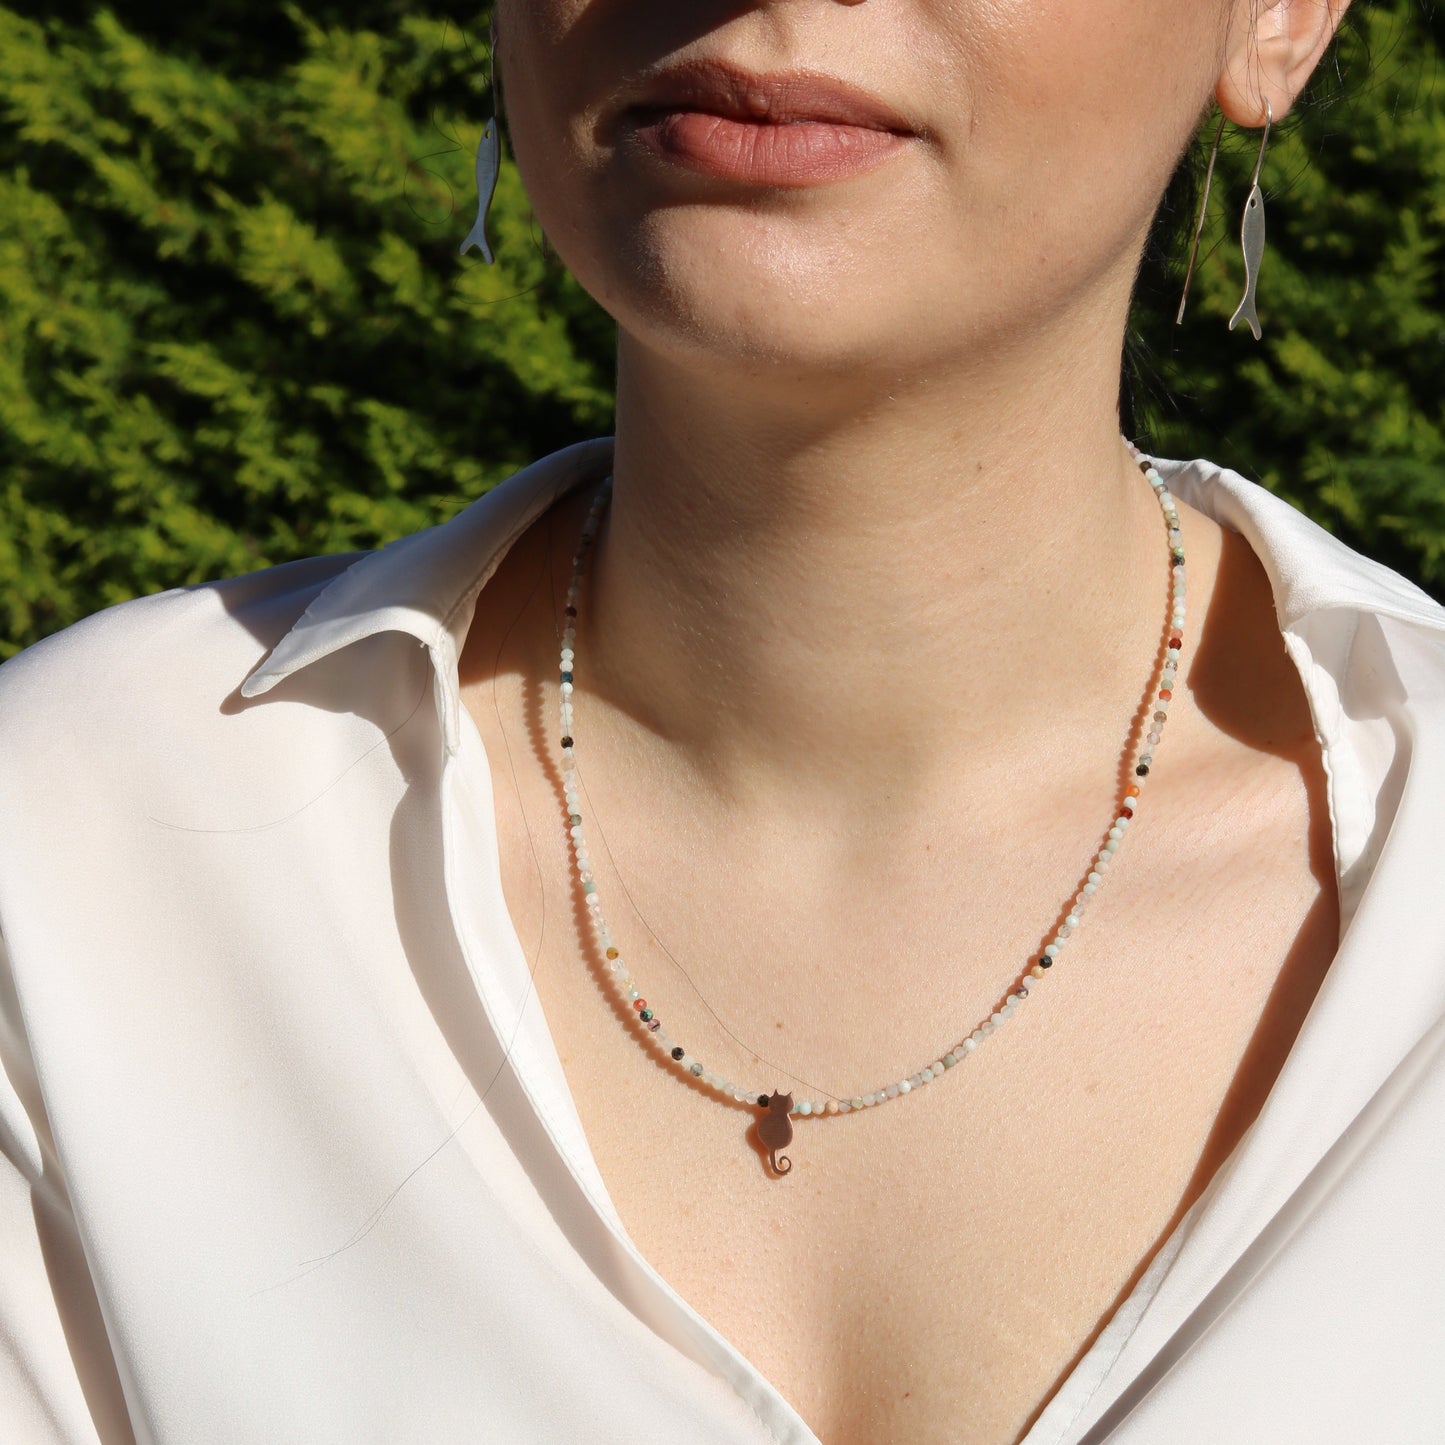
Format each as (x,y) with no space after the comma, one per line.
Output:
(865,629)
(890,402)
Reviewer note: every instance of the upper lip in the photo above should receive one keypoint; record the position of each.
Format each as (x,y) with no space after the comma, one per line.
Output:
(777,98)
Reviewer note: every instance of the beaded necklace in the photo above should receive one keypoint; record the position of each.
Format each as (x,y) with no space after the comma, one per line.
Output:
(775,1129)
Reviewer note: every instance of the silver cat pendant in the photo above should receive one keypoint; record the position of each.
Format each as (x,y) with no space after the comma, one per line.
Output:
(489,164)
(1251,237)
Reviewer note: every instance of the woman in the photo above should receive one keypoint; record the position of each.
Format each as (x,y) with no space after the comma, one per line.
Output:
(341,1109)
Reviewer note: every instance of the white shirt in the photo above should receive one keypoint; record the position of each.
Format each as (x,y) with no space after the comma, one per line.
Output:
(258,971)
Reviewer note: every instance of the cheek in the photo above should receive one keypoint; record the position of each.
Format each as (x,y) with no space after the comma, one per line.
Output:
(1088,86)
(1075,114)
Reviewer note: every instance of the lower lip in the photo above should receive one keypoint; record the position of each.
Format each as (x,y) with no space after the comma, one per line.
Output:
(797,153)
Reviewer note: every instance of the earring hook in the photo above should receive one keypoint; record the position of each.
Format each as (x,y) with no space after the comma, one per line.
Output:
(492,56)
(1263,141)
(1199,229)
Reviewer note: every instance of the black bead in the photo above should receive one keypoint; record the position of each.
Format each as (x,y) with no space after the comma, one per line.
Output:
(566,677)
(1046,962)
(567,742)
(762,1101)
(677,1053)
(1142,770)
(570,611)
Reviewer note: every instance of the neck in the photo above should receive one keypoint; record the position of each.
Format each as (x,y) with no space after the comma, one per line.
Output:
(865,595)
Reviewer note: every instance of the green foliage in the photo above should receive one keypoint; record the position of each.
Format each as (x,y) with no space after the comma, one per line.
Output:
(235,329)
(234,325)
(1340,406)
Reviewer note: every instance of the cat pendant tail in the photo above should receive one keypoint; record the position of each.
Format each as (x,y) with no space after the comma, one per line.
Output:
(775,1129)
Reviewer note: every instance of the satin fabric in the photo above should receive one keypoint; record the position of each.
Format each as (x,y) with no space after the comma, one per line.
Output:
(287,1153)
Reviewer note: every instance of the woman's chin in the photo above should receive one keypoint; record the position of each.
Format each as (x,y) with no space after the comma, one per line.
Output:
(718,305)
(800,362)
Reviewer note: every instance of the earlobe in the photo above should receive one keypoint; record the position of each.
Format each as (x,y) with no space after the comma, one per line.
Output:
(1273,49)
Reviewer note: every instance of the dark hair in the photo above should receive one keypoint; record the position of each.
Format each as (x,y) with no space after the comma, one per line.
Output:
(1143,388)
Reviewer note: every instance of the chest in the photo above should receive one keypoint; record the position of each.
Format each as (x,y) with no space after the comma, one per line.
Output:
(949,1255)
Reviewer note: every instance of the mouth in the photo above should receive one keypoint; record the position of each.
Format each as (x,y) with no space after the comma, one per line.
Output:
(792,128)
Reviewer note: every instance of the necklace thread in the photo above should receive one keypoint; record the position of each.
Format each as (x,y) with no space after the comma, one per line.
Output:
(1038,967)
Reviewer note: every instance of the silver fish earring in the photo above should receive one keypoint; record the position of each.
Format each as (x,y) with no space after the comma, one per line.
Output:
(489,165)
(1251,232)
(1251,235)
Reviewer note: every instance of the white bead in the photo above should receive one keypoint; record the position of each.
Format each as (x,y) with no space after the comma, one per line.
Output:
(903,1086)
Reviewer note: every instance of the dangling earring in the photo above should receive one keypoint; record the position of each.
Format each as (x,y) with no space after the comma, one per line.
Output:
(1251,231)
(489,165)
(1251,235)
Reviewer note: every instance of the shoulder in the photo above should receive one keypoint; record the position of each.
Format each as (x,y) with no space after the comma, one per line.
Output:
(1332,602)
(130,680)
(137,646)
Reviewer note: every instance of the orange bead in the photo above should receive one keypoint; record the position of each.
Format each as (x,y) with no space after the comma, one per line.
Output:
(1132,791)
(639,1004)
(612,953)
(1166,694)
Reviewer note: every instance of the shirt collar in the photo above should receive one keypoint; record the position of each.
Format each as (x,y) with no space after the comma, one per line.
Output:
(426,583)
(1309,569)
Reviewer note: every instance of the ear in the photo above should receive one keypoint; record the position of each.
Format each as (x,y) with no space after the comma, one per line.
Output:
(1271,51)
